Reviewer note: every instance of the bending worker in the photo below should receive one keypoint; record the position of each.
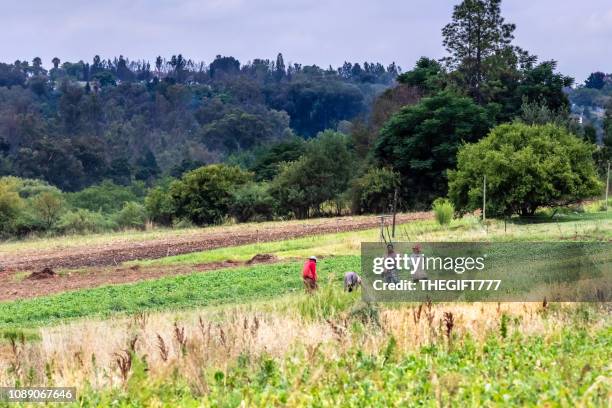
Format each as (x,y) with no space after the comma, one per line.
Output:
(309,274)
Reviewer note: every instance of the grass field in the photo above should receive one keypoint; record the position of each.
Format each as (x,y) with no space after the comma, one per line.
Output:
(249,336)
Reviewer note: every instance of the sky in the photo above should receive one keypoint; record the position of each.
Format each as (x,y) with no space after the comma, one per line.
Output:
(576,34)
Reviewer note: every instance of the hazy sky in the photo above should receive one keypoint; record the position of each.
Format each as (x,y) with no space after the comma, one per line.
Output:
(576,33)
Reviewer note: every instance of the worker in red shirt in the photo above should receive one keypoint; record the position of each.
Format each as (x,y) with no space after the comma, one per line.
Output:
(309,274)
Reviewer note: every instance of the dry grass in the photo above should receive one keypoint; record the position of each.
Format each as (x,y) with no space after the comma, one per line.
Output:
(100,352)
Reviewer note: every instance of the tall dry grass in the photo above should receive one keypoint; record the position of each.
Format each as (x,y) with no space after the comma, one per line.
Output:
(100,353)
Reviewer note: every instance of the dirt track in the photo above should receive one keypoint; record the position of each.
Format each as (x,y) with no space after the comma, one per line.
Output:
(116,253)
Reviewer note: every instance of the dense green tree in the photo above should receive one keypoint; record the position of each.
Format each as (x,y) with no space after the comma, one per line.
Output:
(205,195)
(268,158)
(10,207)
(374,191)
(477,31)
(106,197)
(252,202)
(159,203)
(321,175)
(596,80)
(49,207)
(421,142)
(132,216)
(427,75)
(527,167)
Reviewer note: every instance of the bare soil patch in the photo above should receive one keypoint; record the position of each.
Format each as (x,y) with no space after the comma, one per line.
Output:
(113,253)
(46,273)
(30,286)
(262,258)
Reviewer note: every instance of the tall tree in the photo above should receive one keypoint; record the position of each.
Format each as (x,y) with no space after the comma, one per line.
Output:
(420,142)
(279,67)
(477,31)
(596,80)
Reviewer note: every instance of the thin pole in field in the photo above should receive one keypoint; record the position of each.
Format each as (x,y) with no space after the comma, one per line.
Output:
(484,199)
(394,212)
(607,186)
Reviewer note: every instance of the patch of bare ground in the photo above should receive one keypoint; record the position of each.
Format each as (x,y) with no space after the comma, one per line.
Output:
(46,282)
(114,253)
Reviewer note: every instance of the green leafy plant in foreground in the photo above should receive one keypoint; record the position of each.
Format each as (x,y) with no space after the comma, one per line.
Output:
(567,368)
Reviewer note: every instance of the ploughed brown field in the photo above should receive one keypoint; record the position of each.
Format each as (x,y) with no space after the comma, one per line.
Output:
(22,273)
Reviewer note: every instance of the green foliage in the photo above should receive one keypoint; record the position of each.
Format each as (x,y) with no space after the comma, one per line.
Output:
(10,207)
(28,188)
(421,143)
(106,197)
(205,195)
(82,221)
(443,210)
(321,175)
(234,285)
(570,365)
(48,207)
(132,215)
(527,167)
(252,202)
(269,158)
(159,205)
(426,75)
(476,33)
(373,192)
(328,302)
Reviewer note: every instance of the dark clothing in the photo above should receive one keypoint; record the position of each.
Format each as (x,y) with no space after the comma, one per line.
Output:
(310,285)
(351,281)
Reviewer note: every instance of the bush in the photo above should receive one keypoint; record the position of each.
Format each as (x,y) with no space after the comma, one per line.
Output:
(160,206)
(252,202)
(205,195)
(83,221)
(48,207)
(132,215)
(443,210)
(373,192)
(11,206)
(321,175)
(106,197)
(527,167)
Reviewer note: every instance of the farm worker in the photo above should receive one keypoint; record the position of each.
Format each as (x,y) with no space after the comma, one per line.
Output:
(419,271)
(309,274)
(351,281)
(390,275)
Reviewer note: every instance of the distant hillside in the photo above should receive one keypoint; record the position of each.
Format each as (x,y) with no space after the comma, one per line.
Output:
(79,123)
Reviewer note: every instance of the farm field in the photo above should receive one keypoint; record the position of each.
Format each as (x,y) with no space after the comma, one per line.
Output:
(111,249)
(239,333)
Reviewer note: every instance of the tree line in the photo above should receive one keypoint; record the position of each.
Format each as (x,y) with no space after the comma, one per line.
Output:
(303,142)
(77,124)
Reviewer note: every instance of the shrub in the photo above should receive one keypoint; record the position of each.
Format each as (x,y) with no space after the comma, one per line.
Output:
(205,195)
(11,206)
(83,221)
(132,215)
(160,206)
(373,192)
(48,207)
(321,175)
(443,210)
(106,197)
(527,167)
(252,202)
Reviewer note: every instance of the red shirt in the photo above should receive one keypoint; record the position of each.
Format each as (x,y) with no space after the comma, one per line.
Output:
(310,270)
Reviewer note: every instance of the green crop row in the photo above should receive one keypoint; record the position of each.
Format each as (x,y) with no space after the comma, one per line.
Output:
(235,285)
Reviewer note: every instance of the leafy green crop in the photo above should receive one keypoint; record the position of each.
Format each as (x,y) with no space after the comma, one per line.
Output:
(234,285)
